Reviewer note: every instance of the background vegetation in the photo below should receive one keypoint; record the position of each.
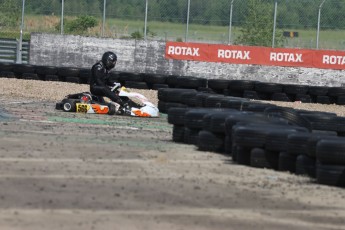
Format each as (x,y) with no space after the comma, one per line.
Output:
(209,20)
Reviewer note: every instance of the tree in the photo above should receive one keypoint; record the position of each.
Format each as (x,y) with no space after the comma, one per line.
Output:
(10,13)
(258,27)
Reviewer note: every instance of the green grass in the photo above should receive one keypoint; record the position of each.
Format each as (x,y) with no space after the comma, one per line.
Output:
(118,28)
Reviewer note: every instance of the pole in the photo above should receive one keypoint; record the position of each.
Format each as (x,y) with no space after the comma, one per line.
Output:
(62,15)
(274,23)
(145,26)
(103,22)
(20,46)
(230,23)
(187,27)
(318,25)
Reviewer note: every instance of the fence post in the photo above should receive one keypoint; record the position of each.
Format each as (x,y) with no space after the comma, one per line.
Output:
(318,25)
(145,24)
(274,23)
(20,45)
(187,27)
(103,22)
(62,15)
(230,23)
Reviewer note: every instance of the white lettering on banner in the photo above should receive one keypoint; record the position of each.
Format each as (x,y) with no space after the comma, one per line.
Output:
(286,57)
(234,54)
(185,51)
(333,60)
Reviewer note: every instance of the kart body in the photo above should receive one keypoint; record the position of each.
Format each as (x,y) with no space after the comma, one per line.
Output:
(137,104)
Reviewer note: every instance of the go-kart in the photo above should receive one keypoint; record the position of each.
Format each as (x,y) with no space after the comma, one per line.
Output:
(136,104)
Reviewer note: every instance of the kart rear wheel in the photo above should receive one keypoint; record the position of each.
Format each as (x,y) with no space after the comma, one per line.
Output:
(69,105)
(112,109)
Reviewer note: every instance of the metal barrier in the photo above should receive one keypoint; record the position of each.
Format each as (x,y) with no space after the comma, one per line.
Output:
(10,51)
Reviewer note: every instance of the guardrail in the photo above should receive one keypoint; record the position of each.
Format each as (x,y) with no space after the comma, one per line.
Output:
(9,50)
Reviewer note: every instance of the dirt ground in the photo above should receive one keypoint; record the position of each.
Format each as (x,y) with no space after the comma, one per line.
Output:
(84,171)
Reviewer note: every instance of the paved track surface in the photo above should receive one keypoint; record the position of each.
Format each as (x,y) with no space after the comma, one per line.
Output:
(74,171)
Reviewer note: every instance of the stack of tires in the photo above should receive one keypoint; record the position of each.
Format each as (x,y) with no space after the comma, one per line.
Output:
(260,135)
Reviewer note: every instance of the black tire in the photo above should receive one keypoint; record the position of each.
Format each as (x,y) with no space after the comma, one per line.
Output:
(58,106)
(287,162)
(297,143)
(137,77)
(72,80)
(69,105)
(172,94)
(306,166)
(159,86)
(290,115)
(172,81)
(194,118)
(314,139)
(30,76)
(168,105)
(178,133)
(331,151)
(336,91)
(212,142)
(213,101)
(280,97)
(7,74)
(176,116)
(200,99)
(136,85)
(228,145)
(261,158)
(161,107)
(51,78)
(189,98)
(7,67)
(218,84)
(304,98)
(191,82)
(155,79)
(68,72)
(241,85)
(266,87)
(215,121)
(23,68)
(191,136)
(318,90)
(242,155)
(326,100)
(251,94)
(250,136)
(112,109)
(340,100)
(85,76)
(295,89)
(46,70)
(333,175)
(277,139)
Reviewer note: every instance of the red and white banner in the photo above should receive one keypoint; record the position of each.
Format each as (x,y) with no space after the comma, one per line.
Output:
(322,59)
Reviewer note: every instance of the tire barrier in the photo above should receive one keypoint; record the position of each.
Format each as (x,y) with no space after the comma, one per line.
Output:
(308,143)
(245,89)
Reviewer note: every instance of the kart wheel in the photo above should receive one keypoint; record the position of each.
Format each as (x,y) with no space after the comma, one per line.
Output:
(69,105)
(58,106)
(112,109)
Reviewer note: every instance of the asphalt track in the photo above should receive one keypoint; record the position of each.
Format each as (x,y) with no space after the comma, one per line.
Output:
(83,171)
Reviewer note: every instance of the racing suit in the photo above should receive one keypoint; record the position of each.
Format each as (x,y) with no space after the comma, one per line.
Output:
(99,84)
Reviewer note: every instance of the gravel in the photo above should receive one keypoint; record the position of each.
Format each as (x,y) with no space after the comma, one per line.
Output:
(56,91)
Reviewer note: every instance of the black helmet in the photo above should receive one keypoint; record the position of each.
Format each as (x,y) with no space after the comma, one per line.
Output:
(109,60)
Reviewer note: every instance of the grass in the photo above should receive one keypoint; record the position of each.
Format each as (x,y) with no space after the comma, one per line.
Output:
(118,28)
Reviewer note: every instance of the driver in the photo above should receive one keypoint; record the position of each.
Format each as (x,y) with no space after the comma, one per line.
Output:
(99,84)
